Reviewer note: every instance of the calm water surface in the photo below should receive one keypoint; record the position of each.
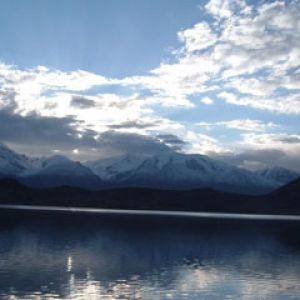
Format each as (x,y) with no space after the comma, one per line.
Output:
(63,256)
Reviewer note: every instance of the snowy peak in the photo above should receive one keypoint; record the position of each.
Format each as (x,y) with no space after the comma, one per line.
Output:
(108,168)
(61,165)
(279,175)
(12,163)
(177,171)
(170,170)
(46,172)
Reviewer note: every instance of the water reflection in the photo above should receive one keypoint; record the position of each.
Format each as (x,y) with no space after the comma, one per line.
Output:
(85,259)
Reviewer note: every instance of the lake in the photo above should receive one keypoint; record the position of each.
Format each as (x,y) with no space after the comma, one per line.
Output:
(56,255)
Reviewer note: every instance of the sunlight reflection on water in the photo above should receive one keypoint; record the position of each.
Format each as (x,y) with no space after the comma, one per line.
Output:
(83,260)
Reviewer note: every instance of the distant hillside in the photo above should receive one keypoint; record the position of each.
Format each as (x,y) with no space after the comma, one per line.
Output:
(286,200)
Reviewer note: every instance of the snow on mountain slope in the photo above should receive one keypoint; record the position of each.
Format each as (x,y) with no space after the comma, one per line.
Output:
(59,170)
(169,170)
(174,170)
(14,164)
(46,172)
(109,168)
(279,175)
(60,165)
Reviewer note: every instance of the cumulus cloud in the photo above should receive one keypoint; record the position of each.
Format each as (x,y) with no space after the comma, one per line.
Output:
(251,52)
(240,55)
(226,8)
(199,37)
(41,78)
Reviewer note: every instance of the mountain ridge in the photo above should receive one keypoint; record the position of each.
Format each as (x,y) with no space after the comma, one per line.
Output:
(177,171)
(163,171)
(278,174)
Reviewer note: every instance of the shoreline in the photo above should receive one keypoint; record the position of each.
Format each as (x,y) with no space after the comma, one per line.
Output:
(184,214)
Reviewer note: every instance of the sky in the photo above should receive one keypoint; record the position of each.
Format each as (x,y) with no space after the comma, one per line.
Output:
(91,79)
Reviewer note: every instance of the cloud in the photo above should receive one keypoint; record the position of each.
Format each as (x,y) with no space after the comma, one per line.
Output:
(113,143)
(251,52)
(280,139)
(8,99)
(41,78)
(240,54)
(82,102)
(254,159)
(34,135)
(220,9)
(287,145)
(262,150)
(135,124)
(207,101)
(203,144)
(243,125)
(40,133)
(172,141)
(199,37)
(289,104)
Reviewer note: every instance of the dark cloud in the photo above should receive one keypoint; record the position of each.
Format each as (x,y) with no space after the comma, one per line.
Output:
(287,139)
(258,159)
(8,96)
(267,156)
(82,102)
(34,135)
(40,133)
(135,125)
(50,106)
(121,104)
(171,139)
(131,143)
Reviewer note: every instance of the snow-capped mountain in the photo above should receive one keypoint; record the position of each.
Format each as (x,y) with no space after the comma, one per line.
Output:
(178,171)
(59,170)
(168,171)
(14,164)
(279,175)
(60,165)
(46,172)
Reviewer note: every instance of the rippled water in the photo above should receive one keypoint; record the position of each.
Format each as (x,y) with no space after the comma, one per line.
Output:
(59,256)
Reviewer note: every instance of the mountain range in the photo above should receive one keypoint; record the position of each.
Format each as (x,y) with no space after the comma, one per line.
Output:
(172,170)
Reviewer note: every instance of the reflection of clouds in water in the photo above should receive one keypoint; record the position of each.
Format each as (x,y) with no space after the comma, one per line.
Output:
(109,263)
